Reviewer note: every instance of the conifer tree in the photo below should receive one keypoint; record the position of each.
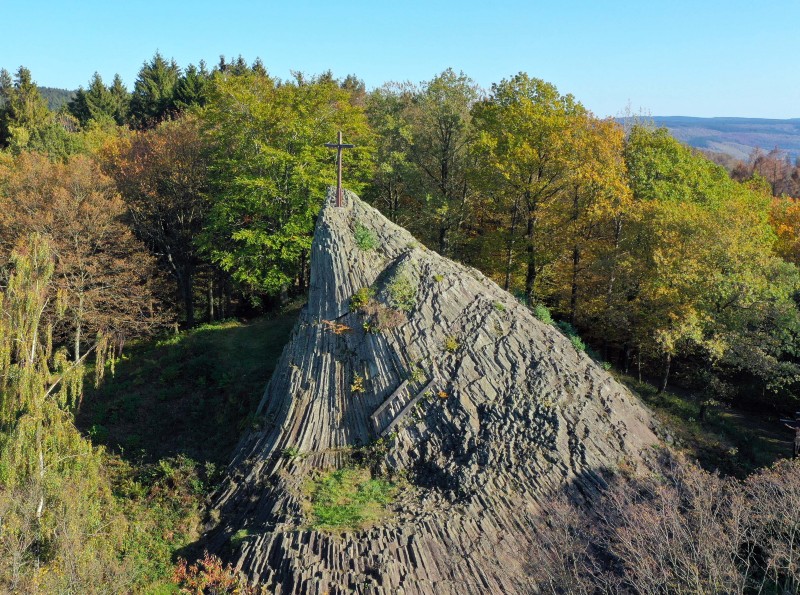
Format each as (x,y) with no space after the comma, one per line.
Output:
(122,100)
(154,91)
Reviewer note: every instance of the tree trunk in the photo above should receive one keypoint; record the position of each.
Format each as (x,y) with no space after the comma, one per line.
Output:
(78,319)
(443,240)
(510,245)
(186,286)
(211,298)
(573,300)
(639,362)
(667,363)
(530,251)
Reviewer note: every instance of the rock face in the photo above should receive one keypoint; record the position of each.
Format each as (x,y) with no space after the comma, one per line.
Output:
(484,409)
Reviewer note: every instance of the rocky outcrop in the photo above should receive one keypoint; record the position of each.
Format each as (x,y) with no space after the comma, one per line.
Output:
(485,410)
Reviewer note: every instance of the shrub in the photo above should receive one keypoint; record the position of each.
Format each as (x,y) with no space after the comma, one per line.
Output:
(402,291)
(291,452)
(416,374)
(380,318)
(365,238)
(361,298)
(499,306)
(209,575)
(577,343)
(542,313)
(451,344)
(438,278)
(357,385)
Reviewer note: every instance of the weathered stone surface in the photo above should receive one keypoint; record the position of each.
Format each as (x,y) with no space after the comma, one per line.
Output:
(513,414)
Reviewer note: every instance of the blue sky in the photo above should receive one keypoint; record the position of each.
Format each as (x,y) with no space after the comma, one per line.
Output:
(700,58)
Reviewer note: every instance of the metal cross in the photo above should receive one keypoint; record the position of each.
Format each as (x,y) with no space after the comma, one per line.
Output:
(339,146)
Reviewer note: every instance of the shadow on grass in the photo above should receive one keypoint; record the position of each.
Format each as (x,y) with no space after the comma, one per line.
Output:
(192,394)
(731,441)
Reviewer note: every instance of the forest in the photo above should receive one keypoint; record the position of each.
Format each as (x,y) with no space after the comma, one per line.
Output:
(136,220)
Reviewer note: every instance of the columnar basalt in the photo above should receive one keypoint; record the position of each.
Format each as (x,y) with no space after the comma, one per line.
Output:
(483,409)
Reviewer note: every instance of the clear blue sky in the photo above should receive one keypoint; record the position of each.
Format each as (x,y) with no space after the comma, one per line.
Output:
(676,57)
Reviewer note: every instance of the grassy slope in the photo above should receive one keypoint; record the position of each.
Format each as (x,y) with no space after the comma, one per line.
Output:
(170,417)
(730,441)
(190,394)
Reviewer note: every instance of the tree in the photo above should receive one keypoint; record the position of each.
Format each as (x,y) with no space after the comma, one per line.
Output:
(121,99)
(106,279)
(704,279)
(191,88)
(441,129)
(395,175)
(162,176)
(153,92)
(526,129)
(270,172)
(599,201)
(60,522)
(95,103)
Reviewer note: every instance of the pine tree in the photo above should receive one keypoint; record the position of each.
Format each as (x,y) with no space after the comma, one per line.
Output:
(122,100)
(192,87)
(153,92)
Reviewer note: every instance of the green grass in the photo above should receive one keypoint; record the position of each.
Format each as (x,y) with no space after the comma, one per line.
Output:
(170,417)
(730,441)
(348,499)
(192,393)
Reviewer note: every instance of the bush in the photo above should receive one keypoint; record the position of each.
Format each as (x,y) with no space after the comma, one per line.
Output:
(209,575)
(402,291)
(577,343)
(361,298)
(451,344)
(380,318)
(358,384)
(365,238)
(542,313)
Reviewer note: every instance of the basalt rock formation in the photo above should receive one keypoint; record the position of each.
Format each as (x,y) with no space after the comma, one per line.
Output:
(450,383)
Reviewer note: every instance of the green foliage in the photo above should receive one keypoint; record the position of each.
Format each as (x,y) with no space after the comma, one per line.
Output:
(153,91)
(543,313)
(572,334)
(402,290)
(348,499)
(271,171)
(27,124)
(291,452)
(190,393)
(192,88)
(416,373)
(55,499)
(438,278)
(500,307)
(365,238)
(451,344)
(95,103)
(361,298)
(577,343)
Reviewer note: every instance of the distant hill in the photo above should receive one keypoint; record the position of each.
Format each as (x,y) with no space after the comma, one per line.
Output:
(736,137)
(56,97)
